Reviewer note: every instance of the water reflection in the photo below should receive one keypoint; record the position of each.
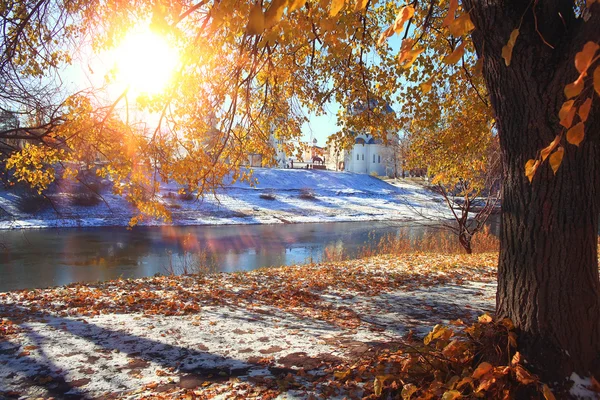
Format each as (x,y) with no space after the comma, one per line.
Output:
(41,258)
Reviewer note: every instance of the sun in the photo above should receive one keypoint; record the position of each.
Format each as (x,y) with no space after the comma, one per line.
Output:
(145,62)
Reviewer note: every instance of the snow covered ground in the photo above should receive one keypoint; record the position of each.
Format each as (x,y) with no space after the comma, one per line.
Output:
(281,196)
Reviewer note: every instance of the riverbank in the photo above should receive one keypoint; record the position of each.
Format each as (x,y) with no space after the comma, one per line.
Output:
(280,196)
(289,332)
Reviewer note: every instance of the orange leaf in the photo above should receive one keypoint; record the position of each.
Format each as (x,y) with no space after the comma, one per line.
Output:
(461,25)
(597,80)
(546,152)
(384,35)
(456,54)
(530,168)
(451,10)
(507,50)
(573,89)
(516,359)
(360,5)
(485,318)
(523,376)
(451,395)
(405,47)
(411,56)
(584,109)
(426,86)
(584,58)
(567,113)
(335,7)
(481,370)
(404,15)
(576,134)
(556,159)
(547,393)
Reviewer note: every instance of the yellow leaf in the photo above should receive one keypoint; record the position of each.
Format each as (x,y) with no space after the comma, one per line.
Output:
(336,6)
(547,393)
(567,113)
(456,54)
(360,5)
(378,386)
(384,35)
(485,318)
(411,56)
(573,89)
(451,395)
(451,10)
(507,50)
(461,25)
(556,159)
(405,47)
(546,152)
(584,58)
(512,339)
(530,168)
(274,13)
(427,85)
(481,370)
(342,375)
(407,391)
(256,23)
(507,322)
(576,134)
(404,15)
(584,109)
(296,5)
(597,80)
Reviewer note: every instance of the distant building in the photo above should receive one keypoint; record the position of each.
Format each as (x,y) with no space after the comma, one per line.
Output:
(367,156)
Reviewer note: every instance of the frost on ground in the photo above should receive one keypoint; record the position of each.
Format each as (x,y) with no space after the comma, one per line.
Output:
(281,196)
(279,332)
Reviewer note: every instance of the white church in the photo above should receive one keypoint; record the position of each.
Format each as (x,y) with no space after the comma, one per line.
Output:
(367,156)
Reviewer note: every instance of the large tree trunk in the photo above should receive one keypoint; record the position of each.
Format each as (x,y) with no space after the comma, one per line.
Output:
(548,280)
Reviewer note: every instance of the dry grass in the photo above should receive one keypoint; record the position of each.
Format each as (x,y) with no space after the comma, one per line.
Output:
(439,242)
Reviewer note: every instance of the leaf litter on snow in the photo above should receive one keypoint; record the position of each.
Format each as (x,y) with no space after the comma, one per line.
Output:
(270,331)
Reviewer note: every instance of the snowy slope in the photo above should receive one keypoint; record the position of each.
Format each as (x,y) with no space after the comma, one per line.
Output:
(334,197)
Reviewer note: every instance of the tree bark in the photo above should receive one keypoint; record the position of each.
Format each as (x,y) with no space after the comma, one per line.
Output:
(548,282)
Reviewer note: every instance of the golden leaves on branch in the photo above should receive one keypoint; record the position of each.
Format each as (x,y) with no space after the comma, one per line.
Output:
(585,57)
(567,113)
(507,50)
(576,134)
(546,152)
(584,109)
(597,80)
(574,89)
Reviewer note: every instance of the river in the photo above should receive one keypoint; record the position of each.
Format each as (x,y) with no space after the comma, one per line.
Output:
(53,257)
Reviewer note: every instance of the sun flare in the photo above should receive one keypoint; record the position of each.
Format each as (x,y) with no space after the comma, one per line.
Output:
(145,62)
